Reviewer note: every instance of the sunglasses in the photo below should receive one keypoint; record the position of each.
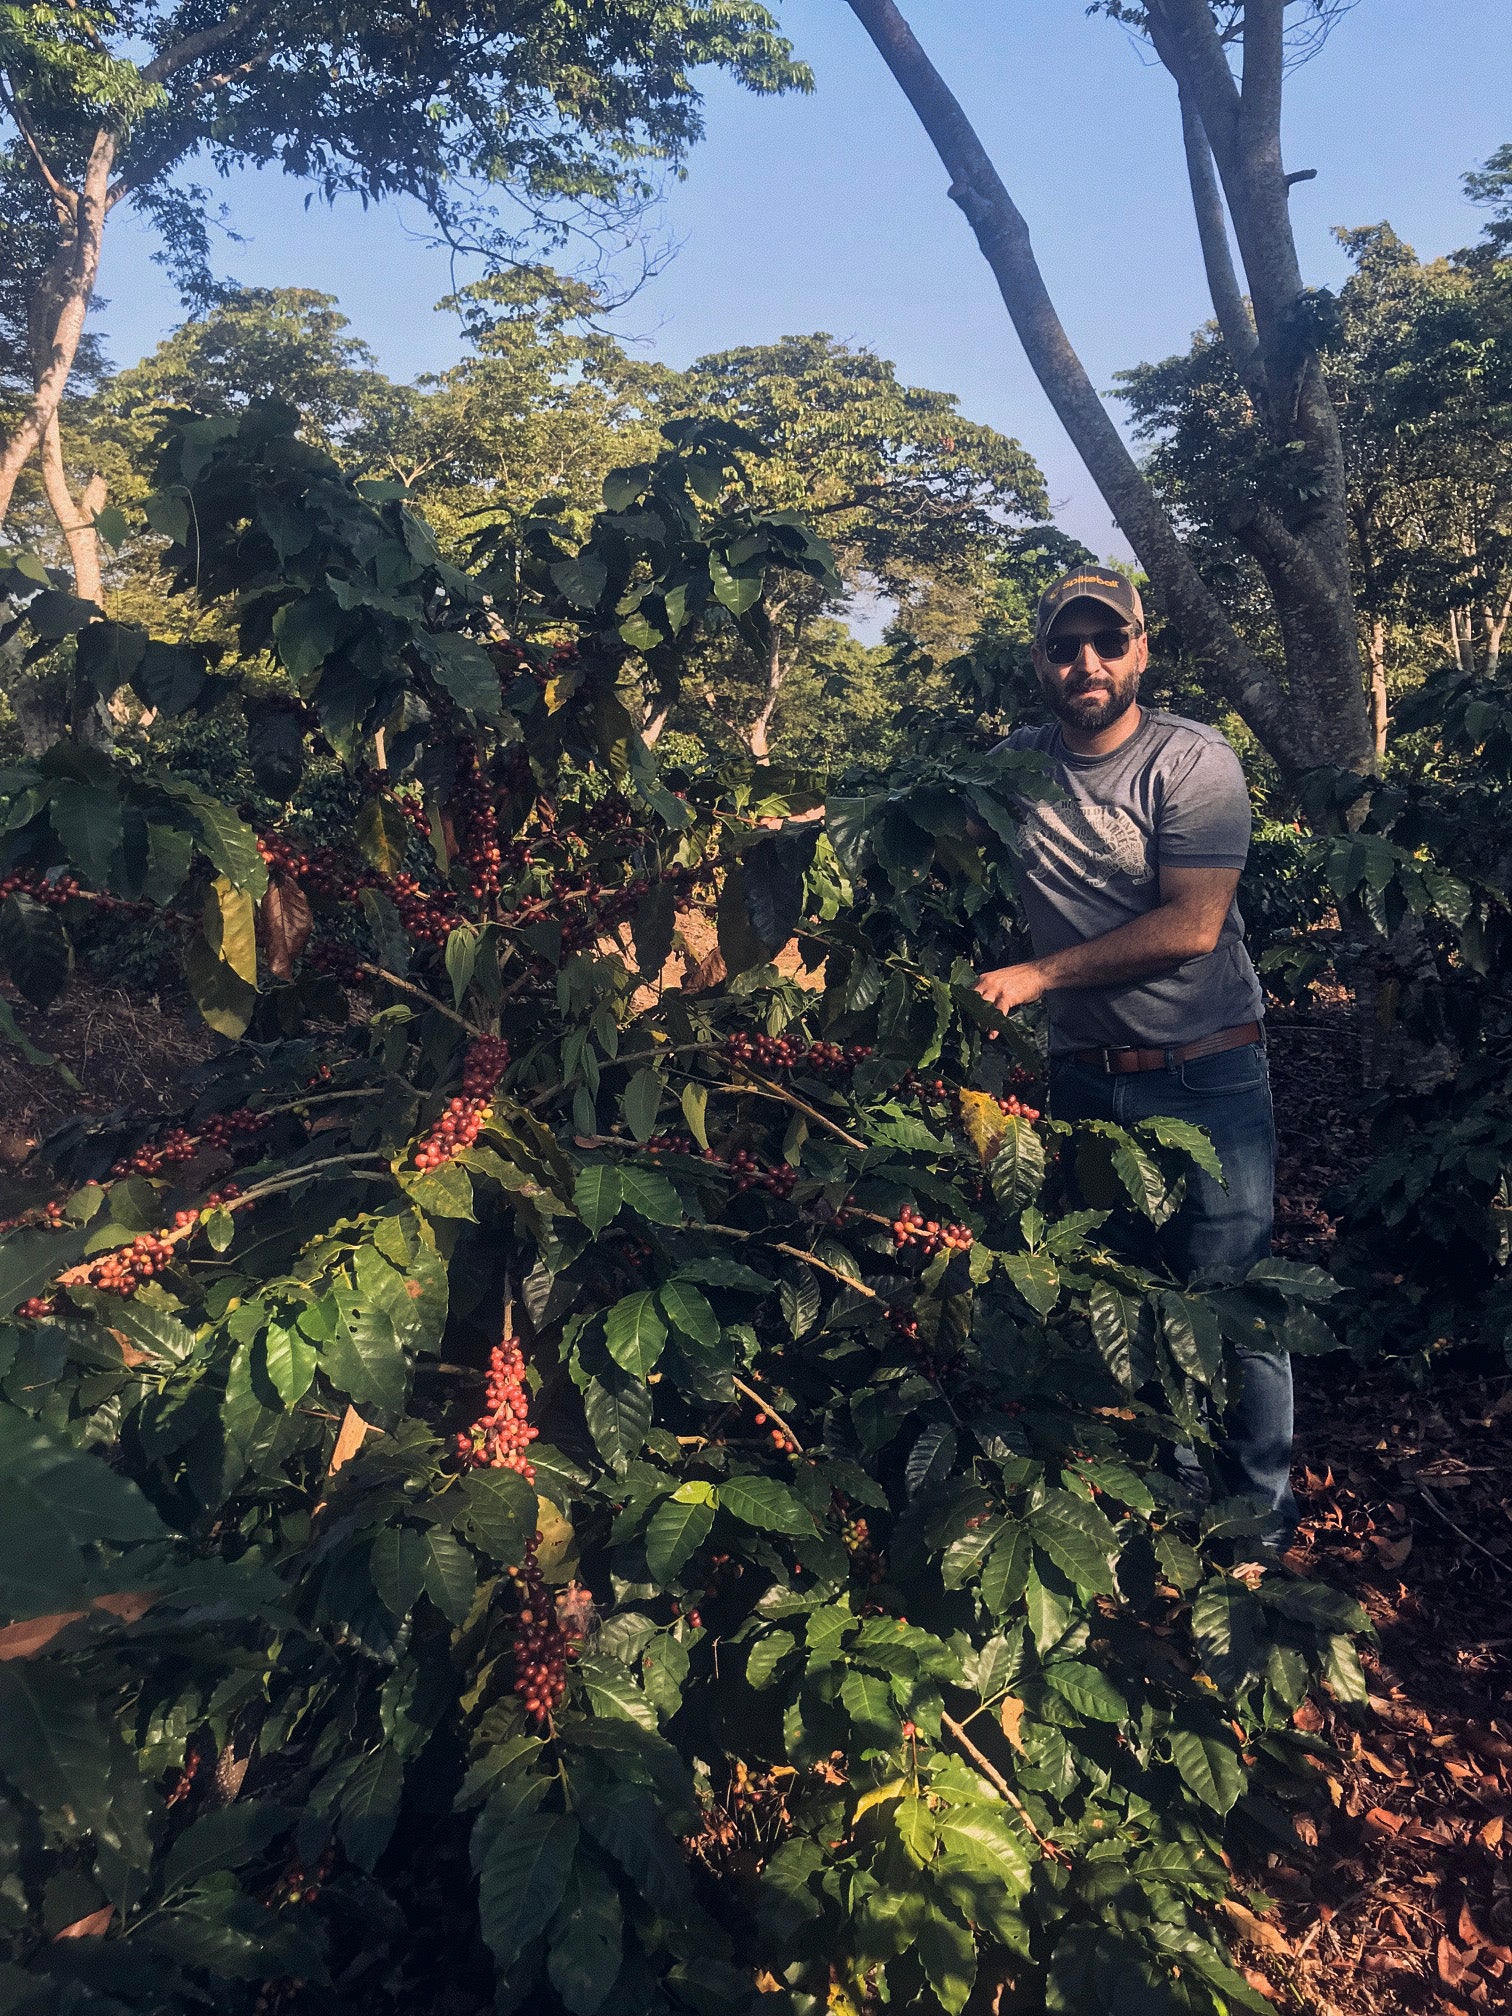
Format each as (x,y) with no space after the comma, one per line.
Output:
(1108,644)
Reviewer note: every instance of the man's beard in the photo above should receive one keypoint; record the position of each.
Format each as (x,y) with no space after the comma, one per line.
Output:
(1094,709)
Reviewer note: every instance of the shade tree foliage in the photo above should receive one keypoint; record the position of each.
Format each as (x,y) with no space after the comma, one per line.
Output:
(1418,362)
(507,126)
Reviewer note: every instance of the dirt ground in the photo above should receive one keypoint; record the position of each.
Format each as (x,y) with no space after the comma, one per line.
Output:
(1399,1897)
(1403,1901)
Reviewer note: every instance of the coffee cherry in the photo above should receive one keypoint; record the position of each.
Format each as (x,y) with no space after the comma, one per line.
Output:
(499,1437)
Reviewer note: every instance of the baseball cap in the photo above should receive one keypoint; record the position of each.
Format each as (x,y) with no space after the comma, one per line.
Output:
(1095,584)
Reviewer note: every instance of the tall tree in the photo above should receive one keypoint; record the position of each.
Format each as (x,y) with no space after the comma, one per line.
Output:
(1307,702)
(906,491)
(564,111)
(546,403)
(1419,366)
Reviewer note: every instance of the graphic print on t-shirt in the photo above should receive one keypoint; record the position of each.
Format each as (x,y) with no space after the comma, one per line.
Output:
(1092,842)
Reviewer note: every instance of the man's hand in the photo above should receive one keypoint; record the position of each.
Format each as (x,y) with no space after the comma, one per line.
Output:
(773,822)
(1185,924)
(1009,987)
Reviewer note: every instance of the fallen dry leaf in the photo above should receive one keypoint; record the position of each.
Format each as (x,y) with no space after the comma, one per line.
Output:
(1378,1821)
(1453,1965)
(1490,1835)
(1247,1926)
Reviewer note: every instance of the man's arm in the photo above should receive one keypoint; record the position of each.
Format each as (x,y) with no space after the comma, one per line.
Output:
(1186,923)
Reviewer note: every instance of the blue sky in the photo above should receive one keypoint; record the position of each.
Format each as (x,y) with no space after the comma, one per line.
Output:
(830,212)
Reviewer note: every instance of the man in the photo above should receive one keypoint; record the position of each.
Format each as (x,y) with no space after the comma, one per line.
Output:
(1129,883)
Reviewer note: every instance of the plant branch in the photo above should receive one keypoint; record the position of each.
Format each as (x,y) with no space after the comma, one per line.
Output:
(1234,317)
(419,994)
(170,61)
(787,1098)
(767,1408)
(995,1778)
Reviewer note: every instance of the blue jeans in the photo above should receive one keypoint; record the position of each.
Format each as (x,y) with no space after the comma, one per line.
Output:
(1217,1233)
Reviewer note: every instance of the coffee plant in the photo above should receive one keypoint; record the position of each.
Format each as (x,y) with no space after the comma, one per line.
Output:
(550,1488)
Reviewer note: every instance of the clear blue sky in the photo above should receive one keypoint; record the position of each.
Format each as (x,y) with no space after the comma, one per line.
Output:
(830,212)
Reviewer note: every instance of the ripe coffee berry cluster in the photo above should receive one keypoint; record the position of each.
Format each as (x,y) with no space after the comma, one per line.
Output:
(541,1648)
(462,1122)
(212,1203)
(670,1144)
(749,1174)
(178,1146)
(123,1272)
(52,893)
(911,1228)
(784,1053)
(224,1130)
(1012,1104)
(502,1433)
(38,1305)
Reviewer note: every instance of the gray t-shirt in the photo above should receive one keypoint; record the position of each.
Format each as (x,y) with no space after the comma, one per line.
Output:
(1173,793)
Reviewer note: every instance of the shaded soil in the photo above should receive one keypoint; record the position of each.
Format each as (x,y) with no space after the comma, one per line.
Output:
(1399,1896)
(125,1048)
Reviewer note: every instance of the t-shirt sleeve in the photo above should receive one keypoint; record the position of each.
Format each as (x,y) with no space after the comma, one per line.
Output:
(1205,811)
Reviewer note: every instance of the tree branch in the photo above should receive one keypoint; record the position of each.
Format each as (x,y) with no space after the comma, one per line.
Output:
(170,61)
(1229,304)
(1264,63)
(61,194)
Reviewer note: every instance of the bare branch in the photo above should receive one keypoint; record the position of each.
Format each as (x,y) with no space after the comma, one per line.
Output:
(1264,64)
(1229,304)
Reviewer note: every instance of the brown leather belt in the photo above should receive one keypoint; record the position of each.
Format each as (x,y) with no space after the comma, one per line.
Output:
(1160,1060)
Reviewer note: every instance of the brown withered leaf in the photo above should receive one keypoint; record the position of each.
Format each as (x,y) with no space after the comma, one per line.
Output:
(353,1432)
(1012,1717)
(1381,1823)
(286,925)
(94,1926)
(1247,1926)
(1453,1965)
(26,1640)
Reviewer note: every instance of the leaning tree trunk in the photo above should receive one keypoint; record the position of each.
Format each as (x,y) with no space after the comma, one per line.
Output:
(59,309)
(1316,716)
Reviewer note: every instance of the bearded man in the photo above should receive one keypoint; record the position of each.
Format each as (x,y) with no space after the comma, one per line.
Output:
(1128,882)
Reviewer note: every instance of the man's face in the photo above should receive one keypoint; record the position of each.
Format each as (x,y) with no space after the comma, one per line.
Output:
(1092,691)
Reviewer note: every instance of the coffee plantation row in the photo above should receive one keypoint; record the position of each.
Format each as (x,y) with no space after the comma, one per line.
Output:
(560,1489)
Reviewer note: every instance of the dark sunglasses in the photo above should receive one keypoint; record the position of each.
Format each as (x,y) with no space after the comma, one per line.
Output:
(1108,644)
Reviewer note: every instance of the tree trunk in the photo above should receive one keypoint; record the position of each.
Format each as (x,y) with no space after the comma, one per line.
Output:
(58,311)
(1318,717)
(75,517)
(1496,630)
(655,723)
(1379,713)
(758,735)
